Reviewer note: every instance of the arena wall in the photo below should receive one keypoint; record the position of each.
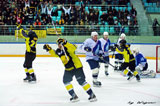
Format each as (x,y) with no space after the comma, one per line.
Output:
(12,50)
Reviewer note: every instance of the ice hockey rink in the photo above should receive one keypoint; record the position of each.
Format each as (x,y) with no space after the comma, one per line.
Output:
(50,91)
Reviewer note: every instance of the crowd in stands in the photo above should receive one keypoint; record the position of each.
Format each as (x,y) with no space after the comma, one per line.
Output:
(119,13)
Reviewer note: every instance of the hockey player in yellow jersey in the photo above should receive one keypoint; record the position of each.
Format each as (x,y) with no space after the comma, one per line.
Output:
(30,41)
(73,67)
(129,60)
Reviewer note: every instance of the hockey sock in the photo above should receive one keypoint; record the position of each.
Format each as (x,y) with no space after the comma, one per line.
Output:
(116,64)
(135,73)
(95,73)
(106,67)
(27,73)
(119,64)
(31,72)
(125,72)
(69,88)
(87,88)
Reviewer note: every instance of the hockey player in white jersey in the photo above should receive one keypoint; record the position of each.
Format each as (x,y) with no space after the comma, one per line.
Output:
(142,65)
(92,59)
(119,57)
(105,45)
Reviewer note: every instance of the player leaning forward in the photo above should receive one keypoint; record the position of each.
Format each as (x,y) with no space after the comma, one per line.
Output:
(73,67)
(129,60)
(30,55)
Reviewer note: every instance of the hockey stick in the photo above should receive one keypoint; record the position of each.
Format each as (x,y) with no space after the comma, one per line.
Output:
(106,61)
(60,44)
(55,29)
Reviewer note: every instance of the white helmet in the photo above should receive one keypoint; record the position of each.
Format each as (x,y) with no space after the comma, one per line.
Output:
(94,33)
(123,35)
(135,50)
(105,33)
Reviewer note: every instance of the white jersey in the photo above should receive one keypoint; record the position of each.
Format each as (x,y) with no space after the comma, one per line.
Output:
(90,43)
(119,41)
(105,46)
(118,44)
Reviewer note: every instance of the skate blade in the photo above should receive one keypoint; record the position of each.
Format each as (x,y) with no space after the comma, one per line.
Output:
(26,81)
(76,100)
(138,80)
(130,78)
(32,82)
(97,86)
(93,100)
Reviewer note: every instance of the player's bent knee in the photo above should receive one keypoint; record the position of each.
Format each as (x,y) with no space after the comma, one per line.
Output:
(95,71)
(81,81)
(66,81)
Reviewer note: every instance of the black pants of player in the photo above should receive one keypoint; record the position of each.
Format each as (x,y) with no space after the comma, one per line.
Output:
(131,65)
(29,58)
(78,73)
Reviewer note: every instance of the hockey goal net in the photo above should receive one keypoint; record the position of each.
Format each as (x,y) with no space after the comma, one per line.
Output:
(158,59)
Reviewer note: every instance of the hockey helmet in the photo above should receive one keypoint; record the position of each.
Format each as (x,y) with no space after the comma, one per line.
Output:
(105,33)
(135,50)
(122,42)
(94,34)
(123,35)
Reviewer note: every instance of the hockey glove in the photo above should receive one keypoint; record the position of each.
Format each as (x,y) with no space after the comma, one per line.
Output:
(88,49)
(61,41)
(18,25)
(47,47)
(115,45)
(113,48)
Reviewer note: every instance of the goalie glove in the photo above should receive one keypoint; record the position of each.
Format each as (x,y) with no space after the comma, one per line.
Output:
(47,47)
(88,49)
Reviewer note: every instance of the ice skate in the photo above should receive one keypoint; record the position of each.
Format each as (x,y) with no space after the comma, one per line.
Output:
(138,78)
(130,77)
(92,98)
(97,84)
(74,99)
(32,80)
(26,79)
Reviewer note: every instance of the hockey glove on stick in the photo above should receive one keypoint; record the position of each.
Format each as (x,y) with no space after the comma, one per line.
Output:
(88,49)
(47,47)
(61,41)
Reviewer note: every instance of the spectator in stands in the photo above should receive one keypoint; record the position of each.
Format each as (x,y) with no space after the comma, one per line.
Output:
(37,24)
(1,21)
(30,17)
(49,10)
(67,10)
(44,22)
(156,27)
(110,20)
(133,12)
(27,3)
(117,28)
(43,10)
(23,21)
(103,18)
(49,19)
(14,20)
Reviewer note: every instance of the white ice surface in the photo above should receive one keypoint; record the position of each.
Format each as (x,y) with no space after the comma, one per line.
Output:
(50,91)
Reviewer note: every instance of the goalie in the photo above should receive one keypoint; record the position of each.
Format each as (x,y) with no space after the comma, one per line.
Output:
(142,65)
(73,67)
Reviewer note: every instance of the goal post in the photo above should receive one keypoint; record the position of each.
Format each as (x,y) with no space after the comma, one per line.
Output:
(158,59)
